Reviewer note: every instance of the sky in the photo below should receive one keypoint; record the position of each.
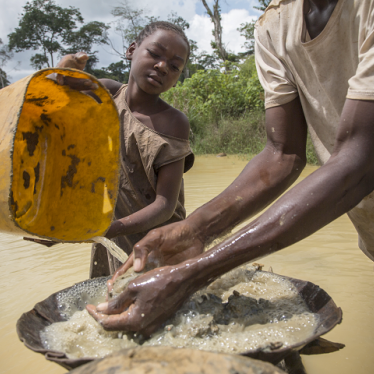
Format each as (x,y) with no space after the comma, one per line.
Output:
(233,12)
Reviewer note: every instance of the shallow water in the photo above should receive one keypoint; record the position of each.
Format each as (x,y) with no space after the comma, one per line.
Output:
(330,258)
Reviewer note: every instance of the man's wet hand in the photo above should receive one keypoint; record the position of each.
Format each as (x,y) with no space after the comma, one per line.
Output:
(146,303)
(120,271)
(167,245)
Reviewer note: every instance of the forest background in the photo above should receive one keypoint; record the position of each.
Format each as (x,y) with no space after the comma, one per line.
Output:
(218,90)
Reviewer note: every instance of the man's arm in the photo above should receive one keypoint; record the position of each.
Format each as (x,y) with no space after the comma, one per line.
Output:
(265,177)
(332,190)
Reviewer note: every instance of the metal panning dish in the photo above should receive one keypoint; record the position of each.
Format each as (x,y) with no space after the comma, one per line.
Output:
(49,311)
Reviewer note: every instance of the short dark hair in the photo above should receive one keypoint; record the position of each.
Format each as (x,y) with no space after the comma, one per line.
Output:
(153,26)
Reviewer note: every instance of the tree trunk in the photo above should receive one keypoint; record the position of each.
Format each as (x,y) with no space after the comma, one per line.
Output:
(215,17)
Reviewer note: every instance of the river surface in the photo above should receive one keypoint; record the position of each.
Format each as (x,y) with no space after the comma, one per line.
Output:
(330,258)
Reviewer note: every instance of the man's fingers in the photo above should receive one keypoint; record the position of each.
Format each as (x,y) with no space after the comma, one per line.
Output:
(140,258)
(120,271)
(60,79)
(143,248)
(123,268)
(109,322)
(114,322)
(78,83)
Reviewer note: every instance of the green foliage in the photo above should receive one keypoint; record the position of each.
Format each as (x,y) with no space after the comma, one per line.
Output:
(83,39)
(211,95)
(38,61)
(178,20)
(225,110)
(263,5)
(117,71)
(247,30)
(233,135)
(51,29)
(244,135)
(5,56)
(129,23)
(4,81)
(311,156)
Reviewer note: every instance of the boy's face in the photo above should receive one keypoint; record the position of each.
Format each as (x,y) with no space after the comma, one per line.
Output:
(158,61)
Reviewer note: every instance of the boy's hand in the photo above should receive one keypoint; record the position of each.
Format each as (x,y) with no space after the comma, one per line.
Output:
(75,61)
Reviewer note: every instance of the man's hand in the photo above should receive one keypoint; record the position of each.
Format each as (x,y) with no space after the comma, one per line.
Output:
(166,245)
(147,302)
(75,61)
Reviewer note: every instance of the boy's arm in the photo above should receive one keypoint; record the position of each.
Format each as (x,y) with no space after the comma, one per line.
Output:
(169,180)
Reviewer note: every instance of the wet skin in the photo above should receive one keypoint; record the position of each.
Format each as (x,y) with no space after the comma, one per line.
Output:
(335,188)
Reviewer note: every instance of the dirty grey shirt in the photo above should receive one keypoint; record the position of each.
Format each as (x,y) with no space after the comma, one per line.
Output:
(323,72)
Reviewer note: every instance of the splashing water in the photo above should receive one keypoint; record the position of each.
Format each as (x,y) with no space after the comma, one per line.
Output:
(112,247)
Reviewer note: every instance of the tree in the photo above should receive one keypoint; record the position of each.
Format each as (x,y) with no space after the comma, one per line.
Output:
(263,5)
(247,30)
(130,22)
(5,56)
(215,17)
(50,29)
(179,21)
(4,81)
(83,40)
(117,71)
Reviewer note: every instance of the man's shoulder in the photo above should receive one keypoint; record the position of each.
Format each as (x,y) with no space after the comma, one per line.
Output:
(278,11)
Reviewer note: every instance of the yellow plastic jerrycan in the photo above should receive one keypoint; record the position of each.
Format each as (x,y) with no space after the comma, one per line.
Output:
(59,159)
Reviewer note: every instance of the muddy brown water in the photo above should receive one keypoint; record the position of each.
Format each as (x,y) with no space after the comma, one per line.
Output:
(330,258)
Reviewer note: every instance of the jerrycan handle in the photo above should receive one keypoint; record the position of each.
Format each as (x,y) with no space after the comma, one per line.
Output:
(78,80)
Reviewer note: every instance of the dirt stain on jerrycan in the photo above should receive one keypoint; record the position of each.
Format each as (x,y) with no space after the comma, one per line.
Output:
(59,158)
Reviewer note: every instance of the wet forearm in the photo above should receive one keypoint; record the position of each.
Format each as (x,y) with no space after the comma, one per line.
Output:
(263,180)
(325,195)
